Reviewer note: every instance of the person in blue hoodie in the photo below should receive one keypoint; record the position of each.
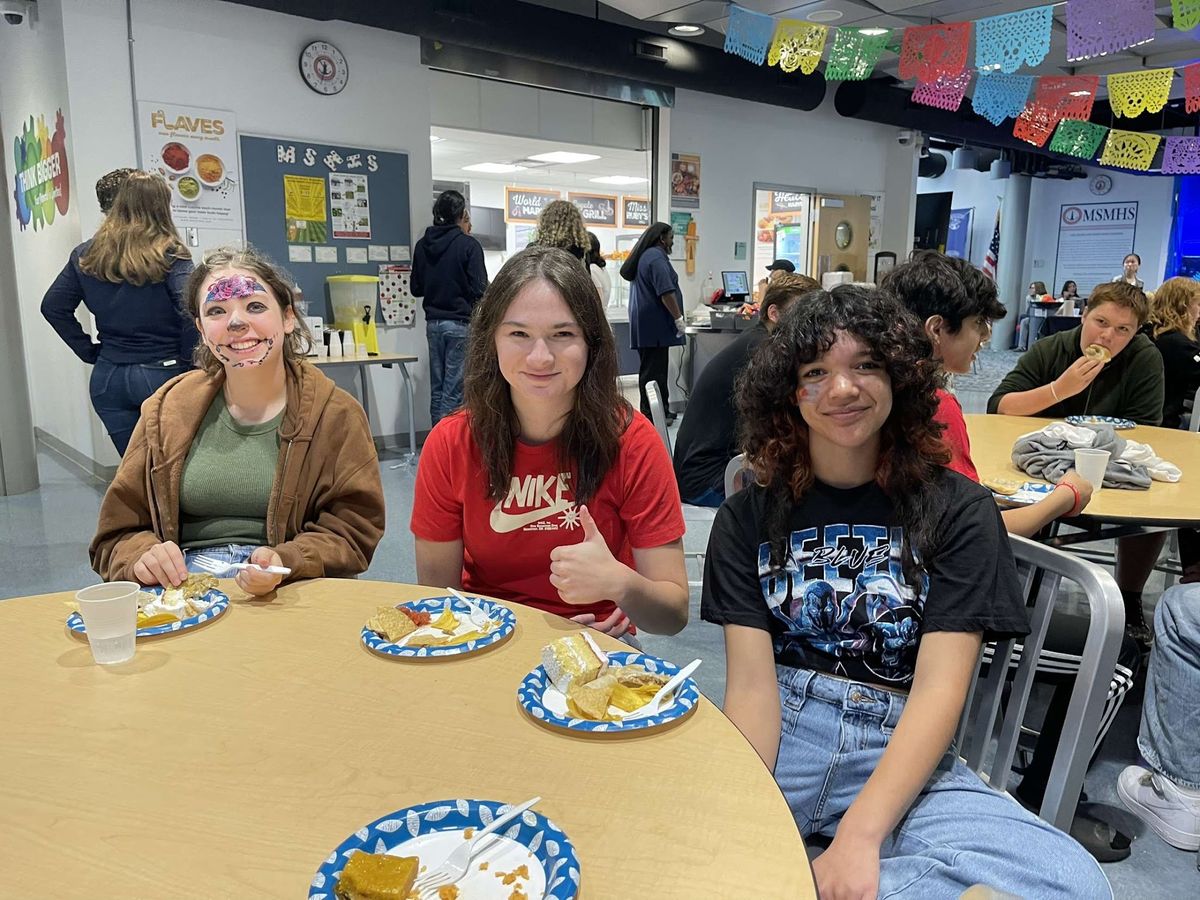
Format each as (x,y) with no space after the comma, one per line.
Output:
(448,272)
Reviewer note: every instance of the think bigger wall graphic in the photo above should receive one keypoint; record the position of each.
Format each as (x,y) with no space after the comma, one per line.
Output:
(41,185)
(843,603)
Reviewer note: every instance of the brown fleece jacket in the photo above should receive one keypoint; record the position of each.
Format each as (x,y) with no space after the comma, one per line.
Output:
(325,515)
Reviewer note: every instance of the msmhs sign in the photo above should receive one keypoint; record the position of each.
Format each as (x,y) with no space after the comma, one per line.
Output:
(1093,238)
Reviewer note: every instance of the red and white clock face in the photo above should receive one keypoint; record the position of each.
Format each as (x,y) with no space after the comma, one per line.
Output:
(324,67)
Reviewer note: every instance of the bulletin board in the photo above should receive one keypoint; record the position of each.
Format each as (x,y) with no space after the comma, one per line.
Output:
(325,209)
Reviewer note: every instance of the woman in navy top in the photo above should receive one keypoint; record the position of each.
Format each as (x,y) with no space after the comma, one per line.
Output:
(655,309)
(131,277)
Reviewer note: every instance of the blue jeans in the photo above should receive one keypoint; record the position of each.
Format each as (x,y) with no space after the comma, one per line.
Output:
(119,389)
(229,553)
(1170,734)
(711,498)
(958,832)
(447,351)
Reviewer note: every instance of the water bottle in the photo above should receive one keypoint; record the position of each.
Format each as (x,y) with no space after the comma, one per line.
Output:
(708,289)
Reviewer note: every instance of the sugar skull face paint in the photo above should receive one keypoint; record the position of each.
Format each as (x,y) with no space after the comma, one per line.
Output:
(242,322)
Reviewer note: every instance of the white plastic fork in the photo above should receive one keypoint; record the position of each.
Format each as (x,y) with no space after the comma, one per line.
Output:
(456,864)
(216,566)
(478,617)
(651,708)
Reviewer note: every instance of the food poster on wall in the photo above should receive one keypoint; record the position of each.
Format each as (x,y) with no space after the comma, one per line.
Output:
(304,210)
(349,206)
(396,302)
(41,180)
(679,226)
(776,208)
(685,180)
(195,150)
(1093,239)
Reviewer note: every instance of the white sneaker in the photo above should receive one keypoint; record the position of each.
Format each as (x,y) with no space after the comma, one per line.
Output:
(1158,802)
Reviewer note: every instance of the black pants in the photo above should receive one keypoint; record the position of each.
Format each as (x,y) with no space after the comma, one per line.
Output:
(652,366)
(1189,545)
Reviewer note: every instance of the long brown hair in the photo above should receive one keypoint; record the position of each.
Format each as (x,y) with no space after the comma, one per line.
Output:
(136,242)
(1169,308)
(774,435)
(591,437)
(295,345)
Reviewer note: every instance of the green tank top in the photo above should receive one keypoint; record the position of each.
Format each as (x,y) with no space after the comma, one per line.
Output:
(227,479)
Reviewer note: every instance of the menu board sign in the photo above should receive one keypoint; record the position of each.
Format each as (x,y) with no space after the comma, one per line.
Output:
(596,209)
(195,150)
(526,204)
(788,201)
(635,212)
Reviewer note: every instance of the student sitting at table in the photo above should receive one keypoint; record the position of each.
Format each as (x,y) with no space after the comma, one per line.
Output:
(255,457)
(1125,379)
(957,304)
(1069,297)
(548,489)
(1166,795)
(707,437)
(1174,312)
(855,580)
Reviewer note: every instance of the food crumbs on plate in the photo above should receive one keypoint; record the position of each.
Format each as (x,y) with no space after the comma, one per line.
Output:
(521,871)
(518,894)
(449,892)
(483,867)
(468,834)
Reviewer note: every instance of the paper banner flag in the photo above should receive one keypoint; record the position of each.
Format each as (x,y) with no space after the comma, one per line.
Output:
(748,34)
(1130,150)
(797,45)
(1191,87)
(1055,99)
(1005,43)
(1000,97)
(1185,14)
(854,54)
(1075,138)
(945,93)
(929,51)
(1096,27)
(1133,93)
(1181,156)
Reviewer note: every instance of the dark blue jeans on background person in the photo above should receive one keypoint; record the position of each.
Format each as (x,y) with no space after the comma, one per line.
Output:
(118,390)
(447,352)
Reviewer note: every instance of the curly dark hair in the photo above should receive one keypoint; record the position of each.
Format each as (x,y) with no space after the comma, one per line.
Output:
(774,435)
(591,437)
(933,284)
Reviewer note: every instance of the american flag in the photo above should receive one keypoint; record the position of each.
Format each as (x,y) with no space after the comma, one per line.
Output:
(993,254)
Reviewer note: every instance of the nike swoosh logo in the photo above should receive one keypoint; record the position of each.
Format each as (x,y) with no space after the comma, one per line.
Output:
(503,523)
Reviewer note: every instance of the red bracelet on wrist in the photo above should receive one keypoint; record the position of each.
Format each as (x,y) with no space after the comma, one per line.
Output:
(1076,507)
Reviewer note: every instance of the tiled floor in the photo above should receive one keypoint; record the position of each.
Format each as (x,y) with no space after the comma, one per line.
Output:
(43,547)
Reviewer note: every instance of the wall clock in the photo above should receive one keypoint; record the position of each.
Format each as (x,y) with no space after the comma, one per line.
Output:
(1100,184)
(324,68)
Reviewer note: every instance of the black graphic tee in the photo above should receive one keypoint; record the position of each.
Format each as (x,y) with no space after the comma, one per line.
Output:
(840,603)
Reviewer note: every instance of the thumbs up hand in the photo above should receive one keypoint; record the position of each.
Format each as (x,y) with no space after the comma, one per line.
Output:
(587,572)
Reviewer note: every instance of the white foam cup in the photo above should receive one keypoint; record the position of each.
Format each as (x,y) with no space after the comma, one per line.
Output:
(1091,464)
(110,617)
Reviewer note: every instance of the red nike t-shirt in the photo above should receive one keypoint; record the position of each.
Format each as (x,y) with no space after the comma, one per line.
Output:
(949,413)
(506,545)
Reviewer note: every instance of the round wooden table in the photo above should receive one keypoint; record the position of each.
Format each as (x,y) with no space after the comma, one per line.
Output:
(1164,504)
(230,760)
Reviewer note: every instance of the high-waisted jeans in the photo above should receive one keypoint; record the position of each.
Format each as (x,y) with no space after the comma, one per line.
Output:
(957,833)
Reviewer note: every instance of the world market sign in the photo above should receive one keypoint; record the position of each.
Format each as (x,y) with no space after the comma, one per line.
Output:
(42,182)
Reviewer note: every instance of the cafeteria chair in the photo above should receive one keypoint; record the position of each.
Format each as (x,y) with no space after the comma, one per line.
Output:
(1098,689)
(658,415)
(735,471)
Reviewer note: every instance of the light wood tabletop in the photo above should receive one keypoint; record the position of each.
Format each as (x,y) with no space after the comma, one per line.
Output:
(1177,504)
(229,760)
(377,359)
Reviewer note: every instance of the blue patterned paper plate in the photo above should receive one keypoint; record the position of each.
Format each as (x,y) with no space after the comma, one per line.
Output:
(435,605)
(1117,423)
(431,830)
(219,602)
(545,703)
(1029,493)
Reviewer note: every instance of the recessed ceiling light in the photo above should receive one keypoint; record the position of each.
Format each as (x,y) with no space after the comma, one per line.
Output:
(618,179)
(685,30)
(433,139)
(876,32)
(824,15)
(564,156)
(493,168)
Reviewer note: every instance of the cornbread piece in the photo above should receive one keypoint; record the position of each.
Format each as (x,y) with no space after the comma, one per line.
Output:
(1005,486)
(377,876)
(572,659)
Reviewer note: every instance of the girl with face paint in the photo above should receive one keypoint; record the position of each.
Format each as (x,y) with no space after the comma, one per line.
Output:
(257,457)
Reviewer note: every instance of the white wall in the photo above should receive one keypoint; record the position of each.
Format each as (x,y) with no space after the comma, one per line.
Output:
(1155,197)
(972,190)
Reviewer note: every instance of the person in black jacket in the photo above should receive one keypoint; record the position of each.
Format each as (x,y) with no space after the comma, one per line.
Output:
(131,277)
(448,272)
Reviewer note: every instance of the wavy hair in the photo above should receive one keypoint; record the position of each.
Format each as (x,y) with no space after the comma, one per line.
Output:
(1123,294)
(137,242)
(560,224)
(933,284)
(1171,304)
(295,345)
(591,436)
(775,437)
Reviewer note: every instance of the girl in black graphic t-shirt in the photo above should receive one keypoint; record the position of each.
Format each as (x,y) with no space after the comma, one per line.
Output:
(855,582)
